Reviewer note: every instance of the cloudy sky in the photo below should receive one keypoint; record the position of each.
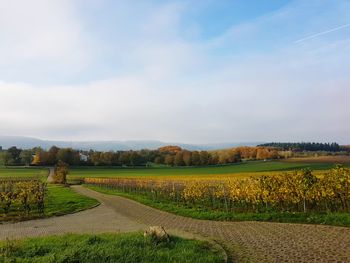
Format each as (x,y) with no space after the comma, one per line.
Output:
(182,71)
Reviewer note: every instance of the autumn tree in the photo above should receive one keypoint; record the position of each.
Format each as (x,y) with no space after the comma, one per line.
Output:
(178,160)
(159,159)
(61,172)
(95,158)
(223,157)
(235,156)
(51,157)
(204,158)
(106,158)
(262,154)
(39,156)
(214,159)
(170,149)
(196,159)
(169,160)
(187,158)
(124,158)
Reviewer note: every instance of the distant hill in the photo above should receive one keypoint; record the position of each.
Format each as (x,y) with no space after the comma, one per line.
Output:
(28,142)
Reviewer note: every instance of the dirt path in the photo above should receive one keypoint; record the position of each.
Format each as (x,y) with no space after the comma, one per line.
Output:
(50,178)
(251,241)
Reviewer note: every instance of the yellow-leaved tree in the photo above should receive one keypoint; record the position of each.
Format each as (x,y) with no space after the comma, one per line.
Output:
(61,171)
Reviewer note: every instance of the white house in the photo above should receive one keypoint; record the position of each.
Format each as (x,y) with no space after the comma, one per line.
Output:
(83,157)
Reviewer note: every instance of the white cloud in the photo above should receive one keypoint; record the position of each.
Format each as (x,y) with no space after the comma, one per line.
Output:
(168,88)
(38,35)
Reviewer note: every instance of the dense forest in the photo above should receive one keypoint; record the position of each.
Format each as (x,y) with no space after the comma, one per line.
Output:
(169,155)
(304,146)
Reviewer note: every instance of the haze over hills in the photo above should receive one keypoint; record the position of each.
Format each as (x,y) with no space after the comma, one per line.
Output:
(29,142)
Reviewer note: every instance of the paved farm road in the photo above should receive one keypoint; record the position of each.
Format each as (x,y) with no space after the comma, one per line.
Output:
(248,241)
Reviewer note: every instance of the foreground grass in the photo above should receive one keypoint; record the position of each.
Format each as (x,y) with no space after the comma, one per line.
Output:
(107,248)
(244,169)
(60,200)
(336,219)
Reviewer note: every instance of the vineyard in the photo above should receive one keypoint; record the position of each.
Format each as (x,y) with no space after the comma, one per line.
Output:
(22,196)
(299,191)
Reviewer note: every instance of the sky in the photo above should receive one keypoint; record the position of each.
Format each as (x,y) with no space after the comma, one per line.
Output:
(179,71)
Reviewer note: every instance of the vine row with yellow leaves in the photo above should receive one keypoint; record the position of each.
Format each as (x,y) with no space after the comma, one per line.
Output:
(22,196)
(299,191)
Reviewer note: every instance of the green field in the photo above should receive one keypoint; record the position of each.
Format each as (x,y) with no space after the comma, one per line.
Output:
(23,172)
(244,168)
(240,168)
(107,248)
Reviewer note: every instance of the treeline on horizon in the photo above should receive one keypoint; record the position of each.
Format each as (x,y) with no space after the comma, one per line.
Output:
(169,155)
(306,146)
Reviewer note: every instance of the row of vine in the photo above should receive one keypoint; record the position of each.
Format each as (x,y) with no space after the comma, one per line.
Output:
(299,191)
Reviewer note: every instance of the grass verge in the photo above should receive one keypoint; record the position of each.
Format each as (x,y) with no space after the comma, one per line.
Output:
(132,247)
(336,219)
(64,200)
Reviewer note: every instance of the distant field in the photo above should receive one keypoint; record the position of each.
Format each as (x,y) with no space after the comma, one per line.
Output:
(238,170)
(341,159)
(22,172)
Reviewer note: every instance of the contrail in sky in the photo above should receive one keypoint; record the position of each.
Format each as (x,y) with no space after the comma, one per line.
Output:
(322,33)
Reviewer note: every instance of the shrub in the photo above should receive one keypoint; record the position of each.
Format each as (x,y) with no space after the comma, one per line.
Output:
(61,171)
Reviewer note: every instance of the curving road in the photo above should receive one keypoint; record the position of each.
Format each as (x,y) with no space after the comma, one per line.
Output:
(245,241)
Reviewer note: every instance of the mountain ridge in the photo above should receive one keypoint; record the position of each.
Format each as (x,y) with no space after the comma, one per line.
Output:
(110,145)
